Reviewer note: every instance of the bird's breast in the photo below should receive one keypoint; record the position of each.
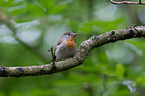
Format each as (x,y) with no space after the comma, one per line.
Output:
(70,43)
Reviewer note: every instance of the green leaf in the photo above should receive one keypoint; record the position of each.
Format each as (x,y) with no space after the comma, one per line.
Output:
(18,11)
(34,10)
(8,3)
(119,70)
(41,92)
(2,94)
(17,94)
(47,4)
(58,9)
(141,80)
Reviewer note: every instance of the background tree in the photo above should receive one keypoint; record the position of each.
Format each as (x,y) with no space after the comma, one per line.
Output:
(115,69)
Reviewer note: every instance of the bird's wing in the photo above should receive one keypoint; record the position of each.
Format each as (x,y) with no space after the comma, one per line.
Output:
(60,41)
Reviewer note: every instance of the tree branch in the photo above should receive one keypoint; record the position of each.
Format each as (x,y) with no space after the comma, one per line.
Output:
(83,51)
(128,2)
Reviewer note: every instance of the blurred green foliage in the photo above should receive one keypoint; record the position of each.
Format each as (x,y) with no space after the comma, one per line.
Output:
(116,69)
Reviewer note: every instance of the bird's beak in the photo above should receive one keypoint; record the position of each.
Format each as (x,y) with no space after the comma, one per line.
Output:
(75,34)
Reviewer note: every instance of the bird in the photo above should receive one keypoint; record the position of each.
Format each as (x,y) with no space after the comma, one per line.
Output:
(66,46)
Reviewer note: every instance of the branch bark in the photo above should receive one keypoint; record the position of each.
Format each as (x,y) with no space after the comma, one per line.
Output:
(83,51)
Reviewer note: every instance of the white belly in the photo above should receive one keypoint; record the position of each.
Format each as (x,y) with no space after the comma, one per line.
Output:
(63,53)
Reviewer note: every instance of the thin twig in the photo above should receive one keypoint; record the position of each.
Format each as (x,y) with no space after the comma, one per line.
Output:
(128,2)
(53,57)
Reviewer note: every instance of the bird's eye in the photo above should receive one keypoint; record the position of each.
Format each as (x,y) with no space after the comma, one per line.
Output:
(68,34)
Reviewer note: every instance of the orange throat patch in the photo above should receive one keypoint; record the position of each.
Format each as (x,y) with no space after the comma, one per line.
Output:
(70,43)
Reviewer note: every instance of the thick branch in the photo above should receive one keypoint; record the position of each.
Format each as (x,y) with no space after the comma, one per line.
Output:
(83,51)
